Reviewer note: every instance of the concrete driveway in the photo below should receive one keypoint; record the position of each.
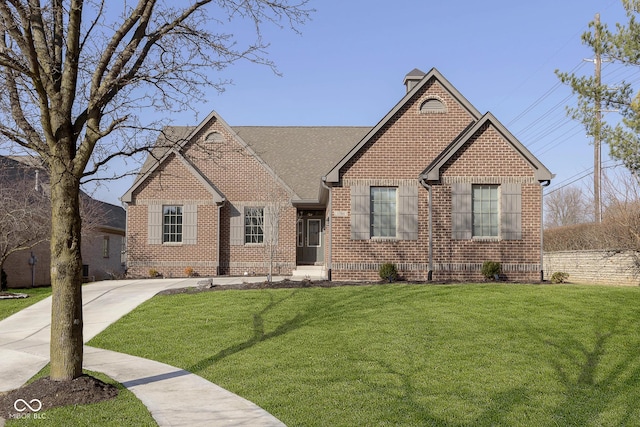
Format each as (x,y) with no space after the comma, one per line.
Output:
(173,396)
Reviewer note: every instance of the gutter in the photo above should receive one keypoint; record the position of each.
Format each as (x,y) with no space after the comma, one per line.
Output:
(330,228)
(542,184)
(423,182)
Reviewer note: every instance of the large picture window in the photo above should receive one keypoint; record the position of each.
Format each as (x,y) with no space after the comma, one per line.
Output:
(486,213)
(253,225)
(383,211)
(172,224)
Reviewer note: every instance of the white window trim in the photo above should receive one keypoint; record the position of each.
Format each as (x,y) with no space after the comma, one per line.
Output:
(261,224)
(180,234)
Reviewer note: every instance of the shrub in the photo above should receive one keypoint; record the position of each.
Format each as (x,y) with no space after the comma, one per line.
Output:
(153,272)
(189,272)
(491,269)
(559,277)
(388,272)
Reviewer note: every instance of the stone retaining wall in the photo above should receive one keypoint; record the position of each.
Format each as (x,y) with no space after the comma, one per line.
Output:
(597,267)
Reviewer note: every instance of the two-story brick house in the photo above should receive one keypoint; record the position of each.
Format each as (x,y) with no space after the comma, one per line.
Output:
(436,188)
(102,230)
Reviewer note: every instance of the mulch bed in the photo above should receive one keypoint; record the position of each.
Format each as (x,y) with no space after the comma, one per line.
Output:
(45,394)
(289,284)
(284,284)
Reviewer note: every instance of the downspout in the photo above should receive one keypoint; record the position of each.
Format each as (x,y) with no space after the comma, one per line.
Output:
(330,228)
(124,251)
(429,189)
(218,237)
(542,184)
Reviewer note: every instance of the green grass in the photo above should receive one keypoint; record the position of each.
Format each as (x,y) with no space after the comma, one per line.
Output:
(410,355)
(10,306)
(124,410)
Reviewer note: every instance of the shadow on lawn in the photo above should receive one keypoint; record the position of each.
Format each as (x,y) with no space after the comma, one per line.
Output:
(259,334)
(592,388)
(413,410)
(337,308)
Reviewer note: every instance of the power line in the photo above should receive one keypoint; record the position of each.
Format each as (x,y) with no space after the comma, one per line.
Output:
(542,97)
(550,145)
(577,177)
(546,114)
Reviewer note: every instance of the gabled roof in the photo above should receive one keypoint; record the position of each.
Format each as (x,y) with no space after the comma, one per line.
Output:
(12,168)
(296,156)
(170,137)
(110,216)
(216,195)
(432,172)
(21,167)
(300,155)
(171,142)
(334,173)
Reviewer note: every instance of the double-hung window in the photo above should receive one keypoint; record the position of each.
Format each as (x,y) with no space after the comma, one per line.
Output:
(172,224)
(383,211)
(105,247)
(253,225)
(380,212)
(486,212)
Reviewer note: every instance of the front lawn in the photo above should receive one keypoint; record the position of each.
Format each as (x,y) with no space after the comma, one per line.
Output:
(410,355)
(10,306)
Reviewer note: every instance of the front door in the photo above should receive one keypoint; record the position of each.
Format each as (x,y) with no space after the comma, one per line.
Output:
(310,239)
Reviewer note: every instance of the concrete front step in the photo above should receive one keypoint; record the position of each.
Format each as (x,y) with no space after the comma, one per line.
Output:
(311,272)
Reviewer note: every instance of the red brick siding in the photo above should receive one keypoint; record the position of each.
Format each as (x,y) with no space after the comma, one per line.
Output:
(401,151)
(239,177)
(408,143)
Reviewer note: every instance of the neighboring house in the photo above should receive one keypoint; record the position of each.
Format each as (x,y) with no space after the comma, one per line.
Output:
(102,239)
(103,244)
(435,187)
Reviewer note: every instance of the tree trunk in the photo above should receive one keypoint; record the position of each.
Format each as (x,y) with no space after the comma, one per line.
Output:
(3,286)
(66,275)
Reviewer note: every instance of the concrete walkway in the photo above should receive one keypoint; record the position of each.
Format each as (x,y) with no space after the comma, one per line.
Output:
(173,396)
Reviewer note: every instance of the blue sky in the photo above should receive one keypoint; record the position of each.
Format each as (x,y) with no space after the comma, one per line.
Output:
(347,67)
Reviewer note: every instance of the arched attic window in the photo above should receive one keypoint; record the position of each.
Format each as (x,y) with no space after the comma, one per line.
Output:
(215,137)
(433,106)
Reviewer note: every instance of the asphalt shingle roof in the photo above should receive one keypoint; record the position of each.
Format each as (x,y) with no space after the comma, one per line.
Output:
(301,155)
(18,167)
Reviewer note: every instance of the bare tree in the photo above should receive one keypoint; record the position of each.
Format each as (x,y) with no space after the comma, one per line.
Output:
(24,211)
(619,230)
(621,217)
(565,206)
(277,202)
(76,71)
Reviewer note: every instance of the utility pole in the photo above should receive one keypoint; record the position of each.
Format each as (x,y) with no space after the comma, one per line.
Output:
(597,146)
